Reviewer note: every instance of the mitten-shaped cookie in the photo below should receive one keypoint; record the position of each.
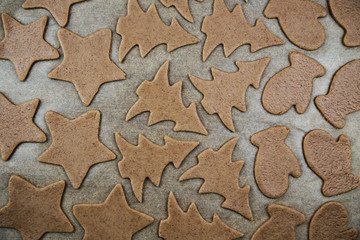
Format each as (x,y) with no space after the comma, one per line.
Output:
(331,160)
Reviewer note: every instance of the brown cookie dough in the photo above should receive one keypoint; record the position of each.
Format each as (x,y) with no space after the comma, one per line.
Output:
(112,219)
(164,102)
(147,30)
(221,176)
(330,159)
(299,21)
(281,224)
(87,62)
(75,144)
(148,160)
(329,222)
(344,95)
(17,125)
(24,45)
(190,225)
(292,86)
(237,32)
(33,210)
(347,14)
(58,8)
(274,161)
(228,89)
(182,6)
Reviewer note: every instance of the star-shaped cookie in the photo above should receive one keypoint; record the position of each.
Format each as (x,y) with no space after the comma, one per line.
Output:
(33,210)
(112,219)
(58,8)
(17,126)
(24,44)
(75,144)
(87,62)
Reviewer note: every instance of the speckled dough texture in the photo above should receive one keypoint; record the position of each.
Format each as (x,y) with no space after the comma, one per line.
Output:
(330,222)
(299,21)
(331,160)
(347,14)
(33,210)
(274,161)
(292,86)
(182,6)
(343,97)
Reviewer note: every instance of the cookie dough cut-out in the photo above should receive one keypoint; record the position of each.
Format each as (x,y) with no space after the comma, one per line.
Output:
(112,219)
(147,30)
(148,160)
(221,176)
(329,222)
(344,95)
(281,224)
(87,62)
(24,45)
(33,210)
(299,21)
(228,90)
(347,14)
(75,144)
(237,32)
(292,86)
(274,161)
(330,159)
(59,8)
(191,226)
(164,103)
(17,125)
(182,6)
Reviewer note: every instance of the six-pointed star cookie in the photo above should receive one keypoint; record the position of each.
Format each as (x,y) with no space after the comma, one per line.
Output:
(58,8)
(17,126)
(75,144)
(24,44)
(87,62)
(112,219)
(33,210)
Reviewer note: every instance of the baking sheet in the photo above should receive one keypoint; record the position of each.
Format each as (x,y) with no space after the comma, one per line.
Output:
(116,98)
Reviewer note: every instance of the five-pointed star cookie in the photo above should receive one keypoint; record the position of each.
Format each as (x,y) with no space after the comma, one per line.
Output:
(87,62)
(58,8)
(17,126)
(75,144)
(33,210)
(112,219)
(24,44)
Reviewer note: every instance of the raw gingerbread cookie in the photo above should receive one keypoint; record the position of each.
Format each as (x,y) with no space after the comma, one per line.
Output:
(228,90)
(147,30)
(112,219)
(347,14)
(344,95)
(190,225)
(329,222)
(330,160)
(237,32)
(24,45)
(148,160)
(87,62)
(182,6)
(281,224)
(292,86)
(274,161)
(299,21)
(17,125)
(33,210)
(221,176)
(75,144)
(164,103)
(58,8)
